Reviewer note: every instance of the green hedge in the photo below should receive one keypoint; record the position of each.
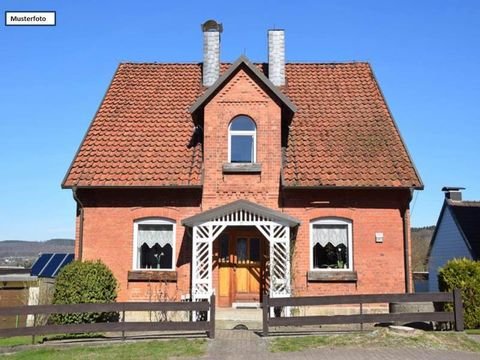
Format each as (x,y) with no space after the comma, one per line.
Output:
(463,274)
(85,282)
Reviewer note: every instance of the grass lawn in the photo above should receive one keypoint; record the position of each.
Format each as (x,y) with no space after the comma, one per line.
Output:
(18,340)
(473,331)
(27,340)
(141,350)
(379,338)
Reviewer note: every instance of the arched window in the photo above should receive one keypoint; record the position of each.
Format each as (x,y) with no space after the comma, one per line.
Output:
(331,244)
(154,244)
(242,136)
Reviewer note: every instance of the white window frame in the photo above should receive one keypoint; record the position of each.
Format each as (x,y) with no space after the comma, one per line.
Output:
(333,221)
(252,133)
(152,221)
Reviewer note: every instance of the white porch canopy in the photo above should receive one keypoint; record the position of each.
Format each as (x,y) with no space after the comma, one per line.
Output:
(207,226)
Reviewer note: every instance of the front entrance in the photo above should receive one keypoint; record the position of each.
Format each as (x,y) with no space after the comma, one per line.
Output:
(242,258)
(215,261)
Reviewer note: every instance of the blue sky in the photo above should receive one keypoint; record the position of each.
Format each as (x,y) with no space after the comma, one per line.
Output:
(425,55)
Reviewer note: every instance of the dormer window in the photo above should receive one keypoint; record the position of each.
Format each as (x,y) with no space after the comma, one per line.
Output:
(242,135)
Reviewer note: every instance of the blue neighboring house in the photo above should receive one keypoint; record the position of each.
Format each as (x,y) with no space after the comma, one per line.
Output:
(457,234)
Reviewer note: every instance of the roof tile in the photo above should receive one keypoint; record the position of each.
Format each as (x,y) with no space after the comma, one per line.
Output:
(342,133)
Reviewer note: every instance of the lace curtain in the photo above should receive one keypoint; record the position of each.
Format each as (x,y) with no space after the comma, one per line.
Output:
(334,234)
(152,234)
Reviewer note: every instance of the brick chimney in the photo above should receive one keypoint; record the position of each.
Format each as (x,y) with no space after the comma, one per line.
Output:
(211,51)
(276,57)
(453,193)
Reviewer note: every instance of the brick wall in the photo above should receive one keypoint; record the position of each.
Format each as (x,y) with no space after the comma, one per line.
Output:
(379,266)
(242,96)
(108,234)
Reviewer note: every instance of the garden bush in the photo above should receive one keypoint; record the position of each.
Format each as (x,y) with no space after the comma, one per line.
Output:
(464,274)
(85,282)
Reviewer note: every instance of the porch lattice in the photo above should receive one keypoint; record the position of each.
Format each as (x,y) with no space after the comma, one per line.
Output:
(277,234)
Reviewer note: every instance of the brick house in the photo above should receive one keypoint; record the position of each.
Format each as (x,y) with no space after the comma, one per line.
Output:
(243,178)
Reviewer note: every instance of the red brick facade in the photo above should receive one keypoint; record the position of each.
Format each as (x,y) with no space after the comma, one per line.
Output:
(242,96)
(109,214)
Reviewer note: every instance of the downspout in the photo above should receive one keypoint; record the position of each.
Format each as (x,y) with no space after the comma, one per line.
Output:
(80,230)
(406,251)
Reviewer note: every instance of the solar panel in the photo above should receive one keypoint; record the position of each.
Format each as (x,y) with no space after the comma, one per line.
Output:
(48,265)
(40,264)
(52,265)
(67,259)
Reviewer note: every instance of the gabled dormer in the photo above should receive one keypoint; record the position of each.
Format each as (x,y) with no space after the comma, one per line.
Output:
(241,117)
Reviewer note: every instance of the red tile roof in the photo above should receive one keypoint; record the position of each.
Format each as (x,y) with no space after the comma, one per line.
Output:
(140,133)
(341,135)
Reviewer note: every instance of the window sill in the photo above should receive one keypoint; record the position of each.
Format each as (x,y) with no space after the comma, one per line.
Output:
(152,276)
(332,276)
(249,168)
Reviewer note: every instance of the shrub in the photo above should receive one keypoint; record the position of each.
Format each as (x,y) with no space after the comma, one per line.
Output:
(85,282)
(463,274)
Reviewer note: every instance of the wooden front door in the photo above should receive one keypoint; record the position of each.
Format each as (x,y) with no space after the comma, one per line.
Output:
(247,269)
(242,258)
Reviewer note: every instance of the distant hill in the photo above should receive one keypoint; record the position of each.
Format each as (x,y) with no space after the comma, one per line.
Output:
(20,248)
(421,238)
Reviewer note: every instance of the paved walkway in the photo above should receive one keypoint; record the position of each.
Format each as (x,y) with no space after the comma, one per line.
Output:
(244,344)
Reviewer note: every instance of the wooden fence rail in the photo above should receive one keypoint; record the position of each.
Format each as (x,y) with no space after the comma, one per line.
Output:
(121,326)
(454,297)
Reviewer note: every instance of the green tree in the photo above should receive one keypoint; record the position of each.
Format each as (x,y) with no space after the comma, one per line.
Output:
(464,274)
(85,282)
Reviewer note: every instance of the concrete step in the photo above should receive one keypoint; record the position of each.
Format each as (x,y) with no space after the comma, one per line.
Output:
(238,325)
(229,318)
(238,314)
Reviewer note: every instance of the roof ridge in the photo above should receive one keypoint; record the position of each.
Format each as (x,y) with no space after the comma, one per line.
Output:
(464,203)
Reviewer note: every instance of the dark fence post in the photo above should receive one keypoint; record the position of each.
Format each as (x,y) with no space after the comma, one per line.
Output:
(458,309)
(361,313)
(266,310)
(34,325)
(123,323)
(211,333)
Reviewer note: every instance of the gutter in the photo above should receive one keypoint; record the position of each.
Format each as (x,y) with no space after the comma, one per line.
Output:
(80,230)
(406,252)
(134,187)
